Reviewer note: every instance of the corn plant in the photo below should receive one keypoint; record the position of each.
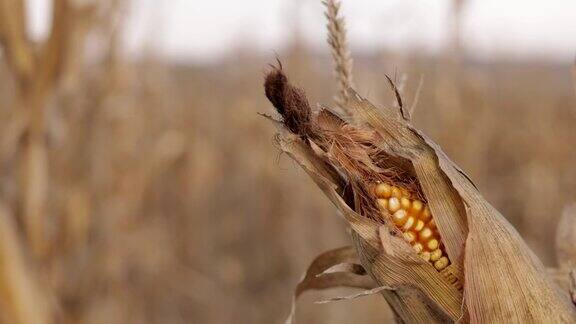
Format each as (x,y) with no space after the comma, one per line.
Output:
(423,236)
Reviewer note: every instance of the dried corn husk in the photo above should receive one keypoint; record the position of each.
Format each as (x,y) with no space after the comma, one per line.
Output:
(493,275)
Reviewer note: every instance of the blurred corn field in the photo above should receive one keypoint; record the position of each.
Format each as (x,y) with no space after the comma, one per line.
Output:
(142,191)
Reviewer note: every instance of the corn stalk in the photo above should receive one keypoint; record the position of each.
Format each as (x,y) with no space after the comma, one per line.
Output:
(38,70)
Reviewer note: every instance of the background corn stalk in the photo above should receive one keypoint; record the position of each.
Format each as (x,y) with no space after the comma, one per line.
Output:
(55,139)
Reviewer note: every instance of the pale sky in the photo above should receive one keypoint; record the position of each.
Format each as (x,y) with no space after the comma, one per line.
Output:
(205,30)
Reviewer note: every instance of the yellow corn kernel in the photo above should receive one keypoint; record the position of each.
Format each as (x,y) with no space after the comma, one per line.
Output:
(410,236)
(396,192)
(426,215)
(409,222)
(435,255)
(425,234)
(405,203)
(400,217)
(393,204)
(417,207)
(418,247)
(441,263)
(433,244)
(383,204)
(425,255)
(383,190)
(419,226)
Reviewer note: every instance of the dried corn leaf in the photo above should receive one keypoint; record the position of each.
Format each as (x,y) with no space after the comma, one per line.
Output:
(357,295)
(325,272)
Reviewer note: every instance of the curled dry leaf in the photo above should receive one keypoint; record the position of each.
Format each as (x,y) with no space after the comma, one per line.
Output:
(418,223)
(326,271)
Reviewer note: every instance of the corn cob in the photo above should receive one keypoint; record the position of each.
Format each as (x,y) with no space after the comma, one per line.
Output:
(413,218)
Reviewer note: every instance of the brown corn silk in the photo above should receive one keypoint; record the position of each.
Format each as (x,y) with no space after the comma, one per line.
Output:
(493,275)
